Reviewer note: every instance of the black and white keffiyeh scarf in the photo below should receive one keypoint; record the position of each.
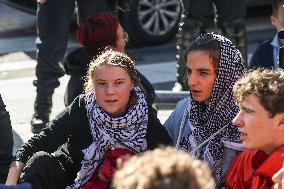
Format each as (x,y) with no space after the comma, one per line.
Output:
(128,131)
(211,126)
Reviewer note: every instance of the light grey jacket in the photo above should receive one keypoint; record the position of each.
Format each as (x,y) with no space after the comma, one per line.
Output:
(173,126)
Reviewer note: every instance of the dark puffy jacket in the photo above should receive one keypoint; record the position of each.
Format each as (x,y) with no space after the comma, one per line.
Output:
(6,142)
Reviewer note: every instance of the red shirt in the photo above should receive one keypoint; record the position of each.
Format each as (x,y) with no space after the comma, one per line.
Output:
(253,169)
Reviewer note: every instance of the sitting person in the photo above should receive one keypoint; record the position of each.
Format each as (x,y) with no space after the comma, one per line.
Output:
(112,119)
(165,168)
(201,124)
(96,33)
(6,142)
(260,96)
(266,55)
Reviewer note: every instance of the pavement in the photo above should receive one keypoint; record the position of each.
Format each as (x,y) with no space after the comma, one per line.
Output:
(17,72)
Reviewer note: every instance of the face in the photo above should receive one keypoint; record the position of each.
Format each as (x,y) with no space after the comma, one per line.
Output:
(258,130)
(112,85)
(278,20)
(201,75)
(120,40)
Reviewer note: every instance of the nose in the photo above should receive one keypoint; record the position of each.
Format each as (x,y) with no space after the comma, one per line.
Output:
(109,89)
(191,80)
(237,121)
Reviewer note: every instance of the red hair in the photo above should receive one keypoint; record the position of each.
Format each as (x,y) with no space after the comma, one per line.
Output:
(96,32)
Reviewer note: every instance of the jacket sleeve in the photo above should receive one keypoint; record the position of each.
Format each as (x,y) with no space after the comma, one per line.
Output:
(255,59)
(172,124)
(262,57)
(156,133)
(54,134)
(6,139)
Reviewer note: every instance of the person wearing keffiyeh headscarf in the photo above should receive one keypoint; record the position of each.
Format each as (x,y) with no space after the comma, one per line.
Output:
(79,148)
(202,123)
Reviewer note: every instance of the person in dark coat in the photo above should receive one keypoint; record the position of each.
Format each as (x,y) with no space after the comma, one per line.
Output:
(111,119)
(6,141)
(96,33)
(266,54)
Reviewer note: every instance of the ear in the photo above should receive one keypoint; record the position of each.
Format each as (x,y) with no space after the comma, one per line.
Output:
(273,20)
(281,119)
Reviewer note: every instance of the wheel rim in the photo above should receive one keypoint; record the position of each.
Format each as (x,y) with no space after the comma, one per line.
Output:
(158,17)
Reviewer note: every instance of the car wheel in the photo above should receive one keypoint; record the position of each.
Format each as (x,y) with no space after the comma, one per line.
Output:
(151,22)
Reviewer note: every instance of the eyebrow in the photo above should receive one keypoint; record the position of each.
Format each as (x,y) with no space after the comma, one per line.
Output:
(114,80)
(203,69)
(246,108)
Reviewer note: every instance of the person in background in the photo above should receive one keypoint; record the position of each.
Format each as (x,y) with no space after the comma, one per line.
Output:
(95,34)
(266,54)
(80,146)
(260,96)
(6,142)
(53,20)
(163,168)
(197,16)
(201,124)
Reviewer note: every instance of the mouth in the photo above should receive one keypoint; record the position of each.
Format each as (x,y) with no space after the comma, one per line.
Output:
(243,135)
(195,92)
(110,101)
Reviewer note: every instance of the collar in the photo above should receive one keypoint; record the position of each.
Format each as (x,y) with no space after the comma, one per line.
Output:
(268,165)
(275,42)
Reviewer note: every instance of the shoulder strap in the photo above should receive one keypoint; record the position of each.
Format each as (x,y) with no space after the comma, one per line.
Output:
(182,124)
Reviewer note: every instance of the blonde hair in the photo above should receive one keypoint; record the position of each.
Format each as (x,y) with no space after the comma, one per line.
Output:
(165,168)
(113,58)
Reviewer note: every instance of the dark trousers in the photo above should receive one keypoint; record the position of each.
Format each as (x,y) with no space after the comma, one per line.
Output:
(203,10)
(53,19)
(44,171)
(6,142)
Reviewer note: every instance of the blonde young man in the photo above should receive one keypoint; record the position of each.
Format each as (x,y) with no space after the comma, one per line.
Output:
(260,96)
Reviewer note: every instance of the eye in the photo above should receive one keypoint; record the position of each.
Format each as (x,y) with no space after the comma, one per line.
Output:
(101,83)
(203,73)
(246,110)
(118,83)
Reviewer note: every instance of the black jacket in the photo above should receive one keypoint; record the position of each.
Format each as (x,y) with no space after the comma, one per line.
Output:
(263,56)
(6,142)
(76,65)
(71,130)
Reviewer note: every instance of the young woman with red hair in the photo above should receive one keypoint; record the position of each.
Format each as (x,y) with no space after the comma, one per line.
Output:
(96,34)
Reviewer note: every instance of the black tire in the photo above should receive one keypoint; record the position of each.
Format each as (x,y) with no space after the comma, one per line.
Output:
(139,36)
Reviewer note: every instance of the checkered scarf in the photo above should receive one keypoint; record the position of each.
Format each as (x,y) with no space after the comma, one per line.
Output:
(218,115)
(128,131)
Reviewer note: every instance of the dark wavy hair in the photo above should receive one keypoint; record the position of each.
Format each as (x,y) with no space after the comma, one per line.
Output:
(208,44)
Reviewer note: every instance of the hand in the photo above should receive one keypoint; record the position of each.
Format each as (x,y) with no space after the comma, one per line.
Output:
(121,160)
(278,179)
(14,172)
(42,1)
